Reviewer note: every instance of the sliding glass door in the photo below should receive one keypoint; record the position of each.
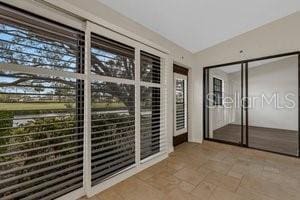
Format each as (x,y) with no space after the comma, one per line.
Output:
(254,103)
(273,104)
(223,108)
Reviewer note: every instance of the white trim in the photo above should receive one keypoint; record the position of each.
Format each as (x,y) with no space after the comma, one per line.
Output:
(152,157)
(81,13)
(190,105)
(111,79)
(168,64)
(164,102)
(137,107)
(154,51)
(149,84)
(43,9)
(102,31)
(87,166)
(39,71)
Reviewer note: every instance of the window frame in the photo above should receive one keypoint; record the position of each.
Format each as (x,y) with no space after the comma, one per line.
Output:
(92,28)
(110,31)
(218,94)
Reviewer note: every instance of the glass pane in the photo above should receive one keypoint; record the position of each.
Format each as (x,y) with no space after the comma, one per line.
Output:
(25,46)
(223,99)
(150,68)
(111,58)
(41,135)
(180,104)
(151,121)
(273,105)
(113,129)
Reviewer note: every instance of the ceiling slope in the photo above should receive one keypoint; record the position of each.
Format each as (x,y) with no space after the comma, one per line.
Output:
(198,24)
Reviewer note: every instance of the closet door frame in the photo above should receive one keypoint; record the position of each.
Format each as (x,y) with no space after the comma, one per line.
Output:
(244,87)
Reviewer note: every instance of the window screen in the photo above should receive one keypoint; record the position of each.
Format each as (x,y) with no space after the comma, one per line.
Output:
(41,116)
(113,110)
(217,92)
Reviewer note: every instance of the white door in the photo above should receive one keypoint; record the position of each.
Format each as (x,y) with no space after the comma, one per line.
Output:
(180,104)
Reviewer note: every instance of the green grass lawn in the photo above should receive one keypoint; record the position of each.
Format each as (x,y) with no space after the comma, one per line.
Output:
(43,106)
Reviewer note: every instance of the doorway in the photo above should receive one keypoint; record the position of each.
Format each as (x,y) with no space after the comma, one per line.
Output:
(180,105)
(254,103)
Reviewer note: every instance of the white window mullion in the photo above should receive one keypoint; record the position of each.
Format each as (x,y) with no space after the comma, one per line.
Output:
(137,108)
(87,180)
(39,71)
(112,79)
(148,84)
(164,100)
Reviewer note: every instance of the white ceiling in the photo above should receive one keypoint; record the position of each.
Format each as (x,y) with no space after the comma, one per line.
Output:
(199,24)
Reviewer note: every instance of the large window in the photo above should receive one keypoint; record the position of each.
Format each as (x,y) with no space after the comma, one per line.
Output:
(71,101)
(41,108)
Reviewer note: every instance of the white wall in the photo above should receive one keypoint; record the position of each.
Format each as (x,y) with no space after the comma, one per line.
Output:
(279,77)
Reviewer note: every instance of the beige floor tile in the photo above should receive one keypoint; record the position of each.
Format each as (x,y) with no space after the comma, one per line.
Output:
(185,186)
(178,194)
(227,182)
(95,197)
(109,195)
(204,171)
(217,166)
(203,190)
(212,171)
(164,182)
(268,188)
(235,174)
(247,194)
(223,194)
(176,164)
(190,176)
(140,190)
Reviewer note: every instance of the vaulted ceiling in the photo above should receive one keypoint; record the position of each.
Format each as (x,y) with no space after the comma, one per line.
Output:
(199,24)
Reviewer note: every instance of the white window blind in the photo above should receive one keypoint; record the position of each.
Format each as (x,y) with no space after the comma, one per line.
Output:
(41,107)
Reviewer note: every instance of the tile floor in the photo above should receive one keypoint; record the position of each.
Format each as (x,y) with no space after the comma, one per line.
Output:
(213,171)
